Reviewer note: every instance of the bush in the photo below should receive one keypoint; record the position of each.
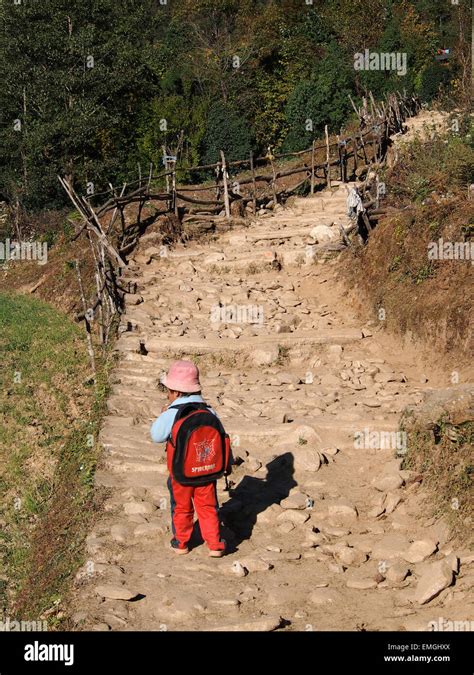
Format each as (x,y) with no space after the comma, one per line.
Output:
(431,79)
(443,164)
(324,99)
(227,131)
(47,458)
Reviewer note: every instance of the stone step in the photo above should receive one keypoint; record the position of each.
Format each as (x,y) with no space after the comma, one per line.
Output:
(211,344)
(180,254)
(262,258)
(114,439)
(320,204)
(306,218)
(139,441)
(119,422)
(267,388)
(146,310)
(134,384)
(138,405)
(126,479)
(329,212)
(129,370)
(283,233)
(245,258)
(320,425)
(122,463)
(153,362)
(137,360)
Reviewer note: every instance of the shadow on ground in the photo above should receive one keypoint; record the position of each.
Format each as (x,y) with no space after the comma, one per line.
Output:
(251,497)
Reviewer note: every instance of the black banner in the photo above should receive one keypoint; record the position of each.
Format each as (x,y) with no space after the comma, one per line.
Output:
(127,652)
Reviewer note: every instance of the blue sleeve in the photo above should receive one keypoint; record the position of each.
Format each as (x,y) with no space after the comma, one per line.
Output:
(161,427)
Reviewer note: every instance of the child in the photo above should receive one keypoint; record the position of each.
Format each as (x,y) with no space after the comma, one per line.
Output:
(182,384)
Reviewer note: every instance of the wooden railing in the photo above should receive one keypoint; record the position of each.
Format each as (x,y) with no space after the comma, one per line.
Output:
(341,159)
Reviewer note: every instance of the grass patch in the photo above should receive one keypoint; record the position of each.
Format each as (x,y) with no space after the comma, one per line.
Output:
(425,296)
(445,458)
(253,268)
(49,414)
(438,165)
(211,360)
(283,355)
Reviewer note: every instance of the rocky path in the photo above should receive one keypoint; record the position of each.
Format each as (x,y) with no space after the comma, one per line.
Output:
(325,529)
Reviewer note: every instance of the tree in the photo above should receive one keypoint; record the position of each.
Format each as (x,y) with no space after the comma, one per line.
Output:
(86,86)
(324,99)
(73,76)
(431,79)
(227,131)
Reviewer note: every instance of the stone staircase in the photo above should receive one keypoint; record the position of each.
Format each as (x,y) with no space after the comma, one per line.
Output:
(318,527)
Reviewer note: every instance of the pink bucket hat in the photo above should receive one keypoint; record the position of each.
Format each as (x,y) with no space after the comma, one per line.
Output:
(182,376)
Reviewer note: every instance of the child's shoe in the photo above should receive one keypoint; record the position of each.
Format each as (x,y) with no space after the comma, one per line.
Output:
(219,552)
(174,544)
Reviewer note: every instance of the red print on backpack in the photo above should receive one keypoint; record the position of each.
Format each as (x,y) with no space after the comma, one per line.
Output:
(204,450)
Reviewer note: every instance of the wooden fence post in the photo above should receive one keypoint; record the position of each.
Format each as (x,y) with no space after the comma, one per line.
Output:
(339,154)
(355,149)
(165,164)
(254,187)
(90,345)
(173,183)
(312,168)
(218,187)
(226,187)
(380,139)
(328,165)
(366,159)
(366,220)
(357,111)
(374,145)
(364,108)
(275,200)
(344,161)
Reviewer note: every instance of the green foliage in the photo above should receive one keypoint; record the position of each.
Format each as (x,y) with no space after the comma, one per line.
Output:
(161,124)
(431,78)
(425,272)
(406,33)
(444,457)
(227,131)
(324,99)
(226,73)
(441,164)
(48,450)
(315,29)
(74,76)
(270,120)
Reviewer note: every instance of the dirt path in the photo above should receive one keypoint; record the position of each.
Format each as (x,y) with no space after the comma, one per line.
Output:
(321,528)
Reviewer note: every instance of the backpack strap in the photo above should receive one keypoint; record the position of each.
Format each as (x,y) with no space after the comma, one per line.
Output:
(183,410)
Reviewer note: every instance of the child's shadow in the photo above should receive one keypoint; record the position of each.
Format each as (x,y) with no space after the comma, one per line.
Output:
(254,495)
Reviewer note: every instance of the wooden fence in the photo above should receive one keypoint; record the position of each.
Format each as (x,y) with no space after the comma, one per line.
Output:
(341,159)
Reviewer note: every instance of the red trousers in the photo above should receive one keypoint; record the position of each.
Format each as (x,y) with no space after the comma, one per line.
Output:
(203,498)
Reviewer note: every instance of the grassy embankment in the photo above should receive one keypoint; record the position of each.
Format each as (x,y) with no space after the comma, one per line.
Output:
(49,414)
(429,300)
